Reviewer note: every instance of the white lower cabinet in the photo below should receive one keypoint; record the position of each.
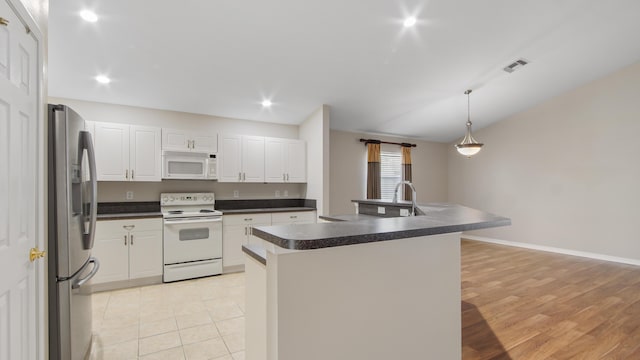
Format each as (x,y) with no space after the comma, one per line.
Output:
(128,249)
(236,231)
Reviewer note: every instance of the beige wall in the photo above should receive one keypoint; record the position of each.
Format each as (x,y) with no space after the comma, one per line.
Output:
(349,169)
(150,191)
(315,131)
(567,172)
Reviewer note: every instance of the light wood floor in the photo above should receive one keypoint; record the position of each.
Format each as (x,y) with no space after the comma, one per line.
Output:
(526,304)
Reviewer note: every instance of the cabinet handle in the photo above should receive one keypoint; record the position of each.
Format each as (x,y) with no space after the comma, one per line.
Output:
(239,176)
(248,219)
(293,217)
(131,240)
(131,174)
(125,240)
(244,176)
(193,144)
(245,230)
(126,174)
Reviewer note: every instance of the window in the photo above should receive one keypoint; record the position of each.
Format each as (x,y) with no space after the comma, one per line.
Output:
(390,171)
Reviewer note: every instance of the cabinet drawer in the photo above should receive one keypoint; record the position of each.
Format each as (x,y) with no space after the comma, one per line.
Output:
(246,219)
(293,217)
(154,224)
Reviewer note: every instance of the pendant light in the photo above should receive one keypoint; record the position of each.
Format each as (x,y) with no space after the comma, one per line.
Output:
(469,146)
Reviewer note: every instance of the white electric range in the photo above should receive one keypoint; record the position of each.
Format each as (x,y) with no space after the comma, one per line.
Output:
(192,236)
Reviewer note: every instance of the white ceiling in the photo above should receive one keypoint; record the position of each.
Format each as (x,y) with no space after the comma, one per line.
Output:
(222,57)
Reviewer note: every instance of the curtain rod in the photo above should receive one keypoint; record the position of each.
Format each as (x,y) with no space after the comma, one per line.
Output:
(373,141)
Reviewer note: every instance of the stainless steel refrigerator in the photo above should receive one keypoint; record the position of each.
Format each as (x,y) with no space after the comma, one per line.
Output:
(72,219)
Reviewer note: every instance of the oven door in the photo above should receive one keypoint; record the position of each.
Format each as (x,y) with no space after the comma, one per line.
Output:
(192,239)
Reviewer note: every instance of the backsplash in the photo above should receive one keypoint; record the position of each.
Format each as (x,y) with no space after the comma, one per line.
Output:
(116,191)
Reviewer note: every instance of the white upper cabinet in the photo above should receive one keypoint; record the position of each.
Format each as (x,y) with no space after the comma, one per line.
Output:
(253,159)
(127,153)
(241,159)
(145,158)
(285,160)
(112,151)
(275,160)
(180,140)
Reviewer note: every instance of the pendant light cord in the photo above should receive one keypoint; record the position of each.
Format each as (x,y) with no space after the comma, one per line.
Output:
(468,107)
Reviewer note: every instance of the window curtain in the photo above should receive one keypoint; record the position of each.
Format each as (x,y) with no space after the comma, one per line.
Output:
(406,171)
(373,170)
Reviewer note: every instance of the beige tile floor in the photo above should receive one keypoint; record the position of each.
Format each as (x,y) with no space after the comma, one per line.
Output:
(186,320)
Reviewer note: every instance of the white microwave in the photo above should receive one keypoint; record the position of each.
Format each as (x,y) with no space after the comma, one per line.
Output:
(189,165)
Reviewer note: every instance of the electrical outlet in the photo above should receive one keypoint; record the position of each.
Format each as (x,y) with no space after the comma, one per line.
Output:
(382,210)
(236,193)
(129,195)
(286,193)
(277,193)
(404,212)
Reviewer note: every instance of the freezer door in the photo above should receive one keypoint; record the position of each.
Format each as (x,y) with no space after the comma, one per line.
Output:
(70,332)
(72,193)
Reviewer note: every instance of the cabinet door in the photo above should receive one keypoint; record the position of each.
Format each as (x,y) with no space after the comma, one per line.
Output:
(111,248)
(296,162)
(145,253)
(205,143)
(274,160)
(176,140)
(233,237)
(145,157)
(253,159)
(112,151)
(230,159)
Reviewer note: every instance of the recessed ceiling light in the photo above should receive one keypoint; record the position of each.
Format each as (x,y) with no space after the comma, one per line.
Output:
(89,16)
(103,79)
(409,22)
(266,103)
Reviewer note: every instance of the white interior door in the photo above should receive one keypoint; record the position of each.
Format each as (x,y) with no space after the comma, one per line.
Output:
(20,169)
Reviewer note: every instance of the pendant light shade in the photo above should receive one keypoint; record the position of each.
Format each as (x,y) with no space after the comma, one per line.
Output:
(469,146)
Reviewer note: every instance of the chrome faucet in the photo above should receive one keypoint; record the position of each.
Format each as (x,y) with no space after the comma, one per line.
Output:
(413,195)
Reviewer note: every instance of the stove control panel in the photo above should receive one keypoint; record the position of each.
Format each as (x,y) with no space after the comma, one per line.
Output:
(187,199)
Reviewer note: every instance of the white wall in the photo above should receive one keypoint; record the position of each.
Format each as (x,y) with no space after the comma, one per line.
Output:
(349,169)
(567,172)
(315,130)
(150,191)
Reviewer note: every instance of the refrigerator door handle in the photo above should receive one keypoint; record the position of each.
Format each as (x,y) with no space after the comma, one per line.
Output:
(80,282)
(86,143)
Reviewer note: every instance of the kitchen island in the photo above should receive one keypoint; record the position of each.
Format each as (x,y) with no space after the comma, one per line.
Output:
(360,288)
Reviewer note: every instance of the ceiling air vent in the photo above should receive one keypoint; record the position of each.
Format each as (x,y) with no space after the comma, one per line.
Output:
(515,65)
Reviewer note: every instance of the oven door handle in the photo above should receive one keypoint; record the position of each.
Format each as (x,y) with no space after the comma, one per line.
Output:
(191,221)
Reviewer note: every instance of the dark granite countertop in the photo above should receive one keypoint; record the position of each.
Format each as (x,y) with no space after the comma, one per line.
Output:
(257,252)
(128,210)
(440,218)
(134,215)
(266,210)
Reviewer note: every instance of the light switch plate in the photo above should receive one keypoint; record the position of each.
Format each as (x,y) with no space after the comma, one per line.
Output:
(236,193)
(129,195)
(277,193)
(382,210)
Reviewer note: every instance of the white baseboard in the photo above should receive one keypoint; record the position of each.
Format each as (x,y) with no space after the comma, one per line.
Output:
(555,250)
